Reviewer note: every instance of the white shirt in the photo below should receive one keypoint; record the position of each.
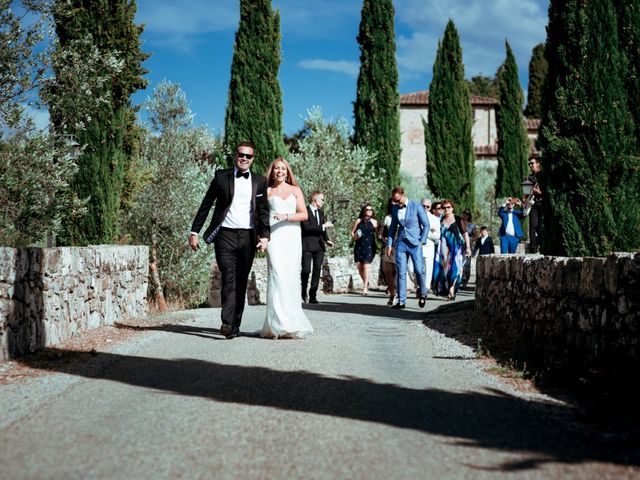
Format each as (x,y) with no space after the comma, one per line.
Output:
(434,222)
(509,228)
(239,214)
(482,239)
(313,212)
(402,212)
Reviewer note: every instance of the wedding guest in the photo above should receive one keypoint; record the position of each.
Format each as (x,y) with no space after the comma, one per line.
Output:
(314,243)
(533,208)
(484,244)
(473,235)
(388,262)
(454,246)
(410,221)
(363,232)
(510,231)
(429,247)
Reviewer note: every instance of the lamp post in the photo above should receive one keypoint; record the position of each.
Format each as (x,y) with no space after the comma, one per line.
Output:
(527,186)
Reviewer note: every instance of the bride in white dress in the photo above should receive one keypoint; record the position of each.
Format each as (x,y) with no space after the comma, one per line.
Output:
(285,317)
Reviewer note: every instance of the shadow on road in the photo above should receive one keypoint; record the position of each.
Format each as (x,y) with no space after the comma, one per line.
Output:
(545,432)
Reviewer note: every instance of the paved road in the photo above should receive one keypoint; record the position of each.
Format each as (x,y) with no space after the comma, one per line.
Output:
(374,394)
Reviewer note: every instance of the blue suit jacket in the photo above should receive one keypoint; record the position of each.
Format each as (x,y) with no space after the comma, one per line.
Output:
(504,216)
(413,229)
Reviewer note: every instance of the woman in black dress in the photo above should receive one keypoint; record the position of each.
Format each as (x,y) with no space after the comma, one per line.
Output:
(364,233)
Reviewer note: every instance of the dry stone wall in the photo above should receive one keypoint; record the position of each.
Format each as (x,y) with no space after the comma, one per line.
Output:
(566,316)
(48,295)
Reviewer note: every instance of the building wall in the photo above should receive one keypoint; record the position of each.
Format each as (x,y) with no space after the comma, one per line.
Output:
(412,158)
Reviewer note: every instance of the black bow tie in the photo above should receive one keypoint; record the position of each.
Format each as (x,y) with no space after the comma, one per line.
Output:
(242,174)
(402,206)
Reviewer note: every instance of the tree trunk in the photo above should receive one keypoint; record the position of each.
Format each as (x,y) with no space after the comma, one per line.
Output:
(155,278)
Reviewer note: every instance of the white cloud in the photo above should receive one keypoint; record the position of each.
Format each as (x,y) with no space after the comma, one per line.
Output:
(483,27)
(180,23)
(340,66)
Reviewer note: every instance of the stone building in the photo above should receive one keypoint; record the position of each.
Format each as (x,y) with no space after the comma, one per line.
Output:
(415,106)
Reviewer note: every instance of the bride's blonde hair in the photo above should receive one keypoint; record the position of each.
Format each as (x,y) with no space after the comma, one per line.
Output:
(291,180)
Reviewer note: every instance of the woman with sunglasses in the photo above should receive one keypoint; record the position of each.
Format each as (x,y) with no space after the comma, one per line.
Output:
(454,247)
(364,233)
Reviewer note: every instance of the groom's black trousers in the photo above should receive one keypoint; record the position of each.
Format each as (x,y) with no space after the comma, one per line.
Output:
(235,249)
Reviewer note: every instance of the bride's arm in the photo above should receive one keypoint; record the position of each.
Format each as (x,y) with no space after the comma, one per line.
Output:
(301,209)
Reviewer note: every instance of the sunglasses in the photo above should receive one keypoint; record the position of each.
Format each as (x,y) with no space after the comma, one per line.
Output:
(369,209)
(426,206)
(248,156)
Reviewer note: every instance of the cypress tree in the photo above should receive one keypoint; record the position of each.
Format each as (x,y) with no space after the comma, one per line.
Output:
(588,165)
(513,143)
(538,68)
(254,108)
(111,136)
(449,145)
(377,105)
(629,36)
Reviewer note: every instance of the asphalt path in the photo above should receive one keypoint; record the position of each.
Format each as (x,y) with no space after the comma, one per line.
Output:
(374,393)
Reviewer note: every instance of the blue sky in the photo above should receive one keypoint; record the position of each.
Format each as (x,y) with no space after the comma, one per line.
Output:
(191,42)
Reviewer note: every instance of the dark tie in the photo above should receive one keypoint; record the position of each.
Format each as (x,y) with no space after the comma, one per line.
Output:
(242,174)
(403,206)
(317,217)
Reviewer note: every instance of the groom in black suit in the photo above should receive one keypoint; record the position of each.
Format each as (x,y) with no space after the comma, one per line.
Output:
(314,241)
(240,222)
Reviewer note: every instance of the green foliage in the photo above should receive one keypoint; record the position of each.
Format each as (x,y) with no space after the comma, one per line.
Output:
(329,163)
(377,105)
(513,143)
(483,86)
(34,174)
(485,212)
(110,136)
(99,181)
(538,70)
(629,35)
(21,67)
(590,176)
(449,145)
(254,107)
(164,207)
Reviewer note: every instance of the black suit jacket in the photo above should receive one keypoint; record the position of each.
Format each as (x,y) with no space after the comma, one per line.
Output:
(221,192)
(486,249)
(313,236)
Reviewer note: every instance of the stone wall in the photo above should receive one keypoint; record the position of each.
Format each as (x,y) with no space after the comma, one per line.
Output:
(339,275)
(562,315)
(48,295)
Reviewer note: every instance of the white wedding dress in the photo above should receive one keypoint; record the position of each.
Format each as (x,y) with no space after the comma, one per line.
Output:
(285,317)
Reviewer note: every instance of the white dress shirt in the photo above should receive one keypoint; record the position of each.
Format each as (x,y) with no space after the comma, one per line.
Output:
(239,214)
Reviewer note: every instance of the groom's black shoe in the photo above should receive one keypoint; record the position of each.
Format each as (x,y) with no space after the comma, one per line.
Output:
(399,305)
(313,300)
(228,331)
(422,301)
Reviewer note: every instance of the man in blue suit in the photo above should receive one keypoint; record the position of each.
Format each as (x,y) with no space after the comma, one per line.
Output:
(410,222)
(510,231)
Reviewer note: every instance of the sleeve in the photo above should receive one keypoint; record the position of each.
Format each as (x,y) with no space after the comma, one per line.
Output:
(205,206)
(262,204)
(424,221)
(392,228)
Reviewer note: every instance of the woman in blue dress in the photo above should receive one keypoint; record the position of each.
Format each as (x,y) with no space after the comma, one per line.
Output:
(364,233)
(453,249)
